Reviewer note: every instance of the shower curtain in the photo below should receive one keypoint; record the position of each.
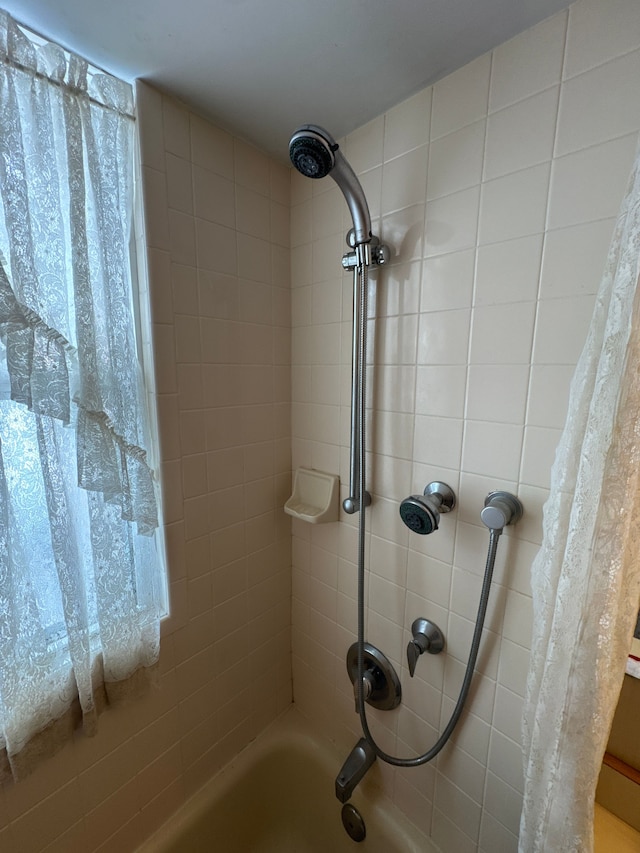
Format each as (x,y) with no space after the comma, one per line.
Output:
(586,577)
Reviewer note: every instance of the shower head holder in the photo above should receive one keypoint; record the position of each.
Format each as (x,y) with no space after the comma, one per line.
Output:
(421,513)
(500,510)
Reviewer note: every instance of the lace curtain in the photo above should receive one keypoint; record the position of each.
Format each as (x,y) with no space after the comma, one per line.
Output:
(80,588)
(586,577)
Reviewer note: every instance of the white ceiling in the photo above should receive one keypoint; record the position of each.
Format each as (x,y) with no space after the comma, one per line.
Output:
(260,68)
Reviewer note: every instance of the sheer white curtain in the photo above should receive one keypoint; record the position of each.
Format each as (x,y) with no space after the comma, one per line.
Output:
(80,587)
(586,577)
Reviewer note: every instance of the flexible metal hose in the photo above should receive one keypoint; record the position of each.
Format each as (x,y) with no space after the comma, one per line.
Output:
(484,595)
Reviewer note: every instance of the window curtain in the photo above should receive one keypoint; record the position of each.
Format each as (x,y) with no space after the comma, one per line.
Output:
(81,591)
(586,577)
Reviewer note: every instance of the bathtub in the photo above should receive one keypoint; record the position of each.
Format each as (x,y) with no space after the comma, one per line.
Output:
(277,796)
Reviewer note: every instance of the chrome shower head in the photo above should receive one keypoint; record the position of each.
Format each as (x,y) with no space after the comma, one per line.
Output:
(312,151)
(421,513)
(316,154)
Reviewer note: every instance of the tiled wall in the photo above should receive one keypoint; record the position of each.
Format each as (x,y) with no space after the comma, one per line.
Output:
(497,190)
(217,219)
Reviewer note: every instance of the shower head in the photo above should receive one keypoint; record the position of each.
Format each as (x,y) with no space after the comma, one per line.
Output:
(312,151)
(421,513)
(316,154)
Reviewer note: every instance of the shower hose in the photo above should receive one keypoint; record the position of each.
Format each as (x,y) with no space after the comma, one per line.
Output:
(486,585)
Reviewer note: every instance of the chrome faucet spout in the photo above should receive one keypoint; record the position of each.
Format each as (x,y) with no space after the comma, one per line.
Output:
(359,760)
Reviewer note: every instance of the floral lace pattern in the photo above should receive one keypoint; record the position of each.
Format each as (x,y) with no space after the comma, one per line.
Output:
(80,590)
(586,577)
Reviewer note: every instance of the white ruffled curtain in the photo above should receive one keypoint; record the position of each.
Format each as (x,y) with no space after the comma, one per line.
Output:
(586,577)
(80,588)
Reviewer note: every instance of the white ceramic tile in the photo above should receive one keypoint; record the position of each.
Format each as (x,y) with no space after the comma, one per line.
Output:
(447,281)
(363,147)
(514,665)
(448,837)
(444,337)
(461,97)
(574,259)
(323,384)
(455,160)
(301,223)
(280,226)
(452,222)
(216,247)
(509,271)
(502,334)
(497,392)
(395,340)
(211,147)
(440,390)
(326,301)
(590,184)
(252,213)
(472,736)
(481,693)
(387,598)
(501,800)
(394,388)
(182,238)
(413,801)
(254,302)
(254,258)
(549,395)
(492,449)
(394,430)
(521,135)
(404,180)
(326,255)
(514,205)
(598,32)
(402,231)
(179,189)
(326,213)
(187,330)
(495,836)
(599,105)
(508,713)
(175,119)
(156,213)
(459,633)
(538,453)
(460,808)
(406,126)
(251,167)
(371,183)
(561,329)
(518,621)
(150,129)
(505,760)
(528,63)
(438,441)
(398,291)
(428,578)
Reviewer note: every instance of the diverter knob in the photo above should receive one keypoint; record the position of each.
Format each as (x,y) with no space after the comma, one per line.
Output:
(427,637)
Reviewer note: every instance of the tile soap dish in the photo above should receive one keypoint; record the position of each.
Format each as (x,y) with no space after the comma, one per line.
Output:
(315,496)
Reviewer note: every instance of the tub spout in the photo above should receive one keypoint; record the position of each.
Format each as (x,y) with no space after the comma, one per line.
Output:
(353,770)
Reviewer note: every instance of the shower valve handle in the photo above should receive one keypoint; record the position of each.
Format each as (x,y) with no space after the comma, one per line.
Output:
(427,637)
(367,687)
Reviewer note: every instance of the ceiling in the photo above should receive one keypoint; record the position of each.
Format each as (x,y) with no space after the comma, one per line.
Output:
(260,68)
